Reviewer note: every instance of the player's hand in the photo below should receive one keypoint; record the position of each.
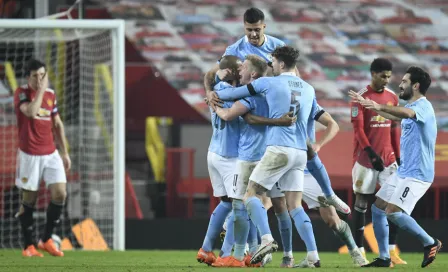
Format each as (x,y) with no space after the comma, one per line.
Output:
(42,83)
(316,147)
(224,74)
(213,99)
(357,98)
(67,162)
(287,119)
(377,162)
(370,104)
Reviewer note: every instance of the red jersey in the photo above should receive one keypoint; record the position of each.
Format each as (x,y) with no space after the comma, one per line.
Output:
(371,129)
(36,134)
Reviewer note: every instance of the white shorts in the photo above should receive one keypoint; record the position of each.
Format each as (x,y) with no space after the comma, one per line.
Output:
(310,195)
(31,169)
(404,193)
(222,174)
(365,179)
(281,164)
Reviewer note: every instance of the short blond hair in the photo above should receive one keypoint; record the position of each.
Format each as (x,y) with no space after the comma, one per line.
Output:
(258,64)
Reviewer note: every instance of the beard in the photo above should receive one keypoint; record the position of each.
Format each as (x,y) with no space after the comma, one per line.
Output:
(405,94)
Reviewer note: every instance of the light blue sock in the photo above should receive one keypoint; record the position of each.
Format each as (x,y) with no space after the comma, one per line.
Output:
(258,215)
(381,229)
(304,227)
(252,238)
(229,239)
(242,227)
(407,223)
(285,228)
(318,171)
(215,225)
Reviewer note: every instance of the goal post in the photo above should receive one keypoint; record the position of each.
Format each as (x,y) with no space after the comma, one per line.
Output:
(86,65)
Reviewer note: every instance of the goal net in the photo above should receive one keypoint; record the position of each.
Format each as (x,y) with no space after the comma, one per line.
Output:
(85,70)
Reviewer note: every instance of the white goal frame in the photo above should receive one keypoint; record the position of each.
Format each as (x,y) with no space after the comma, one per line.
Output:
(117,28)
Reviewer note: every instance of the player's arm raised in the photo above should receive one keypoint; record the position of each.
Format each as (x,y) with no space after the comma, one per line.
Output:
(31,109)
(257,86)
(386,111)
(331,129)
(286,120)
(59,133)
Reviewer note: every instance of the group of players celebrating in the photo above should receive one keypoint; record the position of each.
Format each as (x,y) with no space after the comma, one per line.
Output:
(263,154)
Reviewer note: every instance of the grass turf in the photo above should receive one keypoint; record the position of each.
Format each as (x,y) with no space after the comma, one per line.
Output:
(12,260)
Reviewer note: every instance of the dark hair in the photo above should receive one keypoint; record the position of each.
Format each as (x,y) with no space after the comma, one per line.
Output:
(253,15)
(230,62)
(34,65)
(380,64)
(418,75)
(287,54)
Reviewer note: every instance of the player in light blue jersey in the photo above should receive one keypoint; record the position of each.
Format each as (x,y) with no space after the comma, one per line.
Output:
(256,42)
(313,195)
(398,196)
(252,146)
(221,160)
(285,156)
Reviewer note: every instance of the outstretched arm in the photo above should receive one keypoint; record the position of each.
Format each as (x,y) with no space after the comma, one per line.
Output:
(285,120)
(229,114)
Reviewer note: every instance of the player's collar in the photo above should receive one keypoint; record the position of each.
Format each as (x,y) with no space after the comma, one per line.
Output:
(264,41)
(288,74)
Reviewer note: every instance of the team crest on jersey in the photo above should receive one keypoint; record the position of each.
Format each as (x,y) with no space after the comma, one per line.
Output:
(354,111)
(50,102)
(24,180)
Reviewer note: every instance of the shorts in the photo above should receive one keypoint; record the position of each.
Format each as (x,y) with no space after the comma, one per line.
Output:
(281,164)
(404,193)
(222,174)
(365,179)
(31,169)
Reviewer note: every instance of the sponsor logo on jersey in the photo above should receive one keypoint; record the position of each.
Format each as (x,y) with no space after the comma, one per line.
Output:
(44,112)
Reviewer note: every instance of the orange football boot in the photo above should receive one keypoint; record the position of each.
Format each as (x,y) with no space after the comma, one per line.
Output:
(205,257)
(31,251)
(228,261)
(49,247)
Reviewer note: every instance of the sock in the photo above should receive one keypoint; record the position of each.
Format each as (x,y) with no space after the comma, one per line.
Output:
(214,226)
(304,227)
(312,256)
(343,231)
(393,232)
(381,229)
(391,247)
(407,223)
(26,222)
(252,238)
(242,226)
(53,214)
(229,239)
(359,219)
(285,228)
(318,171)
(258,215)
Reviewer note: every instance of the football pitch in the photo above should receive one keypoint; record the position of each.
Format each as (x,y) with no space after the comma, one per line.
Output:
(130,261)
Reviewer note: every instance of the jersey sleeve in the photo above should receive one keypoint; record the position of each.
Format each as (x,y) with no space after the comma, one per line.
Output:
(421,112)
(258,86)
(248,102)
(55,111)
(231,50)
(357,117)
(316,110)
(20,97)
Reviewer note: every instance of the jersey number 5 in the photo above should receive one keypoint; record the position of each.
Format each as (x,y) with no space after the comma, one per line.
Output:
(295,104)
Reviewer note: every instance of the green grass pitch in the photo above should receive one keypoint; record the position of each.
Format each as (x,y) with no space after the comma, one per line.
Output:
(130,261)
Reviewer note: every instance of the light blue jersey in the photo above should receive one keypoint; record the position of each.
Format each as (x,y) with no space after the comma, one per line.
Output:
(418,141)
(284,93)
(316,112)
(253,137)
(243,47)
(226,135)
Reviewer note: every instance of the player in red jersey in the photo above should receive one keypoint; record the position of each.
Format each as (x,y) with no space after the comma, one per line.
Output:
(376,149)
(38,120)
